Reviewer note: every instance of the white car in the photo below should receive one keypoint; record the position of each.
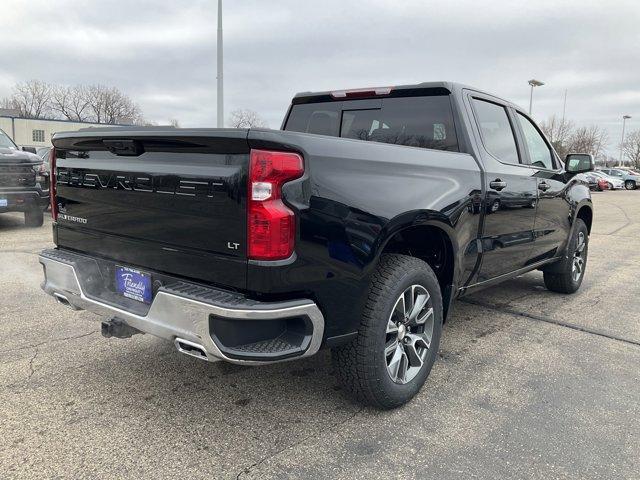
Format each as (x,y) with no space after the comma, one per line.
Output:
(614,182)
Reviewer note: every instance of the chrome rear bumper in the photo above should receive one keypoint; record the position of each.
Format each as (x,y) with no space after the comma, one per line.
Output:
(183,313)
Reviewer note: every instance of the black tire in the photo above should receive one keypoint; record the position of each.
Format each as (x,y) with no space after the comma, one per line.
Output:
(362,366)
(630,185)
(610,185)
(561,277)
(34,218)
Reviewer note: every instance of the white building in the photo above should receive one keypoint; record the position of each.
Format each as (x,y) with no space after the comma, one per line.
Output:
(37,132)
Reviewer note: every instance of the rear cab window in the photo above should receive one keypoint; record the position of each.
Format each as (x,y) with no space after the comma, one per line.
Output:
(421,121)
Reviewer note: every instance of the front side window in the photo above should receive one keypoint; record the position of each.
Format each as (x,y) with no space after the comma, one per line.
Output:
(425,122)
(539,151)
(497,133)
(6,142)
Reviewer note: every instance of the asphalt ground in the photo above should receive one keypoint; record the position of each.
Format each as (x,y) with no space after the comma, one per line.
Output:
(529,384)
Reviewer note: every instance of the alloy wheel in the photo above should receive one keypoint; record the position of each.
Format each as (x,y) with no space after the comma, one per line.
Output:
(409,333)
(579,257)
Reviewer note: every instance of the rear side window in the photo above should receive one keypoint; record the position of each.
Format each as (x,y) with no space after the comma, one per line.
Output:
(425,122)
(497,133)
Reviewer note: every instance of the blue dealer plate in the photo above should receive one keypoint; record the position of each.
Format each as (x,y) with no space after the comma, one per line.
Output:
(133,284)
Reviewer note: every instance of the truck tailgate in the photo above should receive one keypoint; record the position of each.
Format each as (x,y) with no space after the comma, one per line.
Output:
(168,200)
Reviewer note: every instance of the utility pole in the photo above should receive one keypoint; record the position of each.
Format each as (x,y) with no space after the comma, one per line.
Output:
(564,106)
(219,77)
(624,119)
(534,83)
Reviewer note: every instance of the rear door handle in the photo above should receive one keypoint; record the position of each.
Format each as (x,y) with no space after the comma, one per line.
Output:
(497,184)
(544,186)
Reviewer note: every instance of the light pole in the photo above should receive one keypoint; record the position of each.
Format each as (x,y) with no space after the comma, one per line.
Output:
(219,77)
(534,83)
(624,120)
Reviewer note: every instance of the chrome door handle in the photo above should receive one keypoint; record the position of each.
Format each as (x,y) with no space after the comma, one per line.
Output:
(497,184)
(544,186)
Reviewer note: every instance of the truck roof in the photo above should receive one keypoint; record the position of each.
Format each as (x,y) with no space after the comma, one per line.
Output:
(439,87)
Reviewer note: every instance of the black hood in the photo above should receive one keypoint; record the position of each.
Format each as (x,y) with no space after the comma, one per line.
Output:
(8,155)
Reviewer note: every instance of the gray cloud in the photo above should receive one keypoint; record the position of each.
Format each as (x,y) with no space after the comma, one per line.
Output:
(163,53)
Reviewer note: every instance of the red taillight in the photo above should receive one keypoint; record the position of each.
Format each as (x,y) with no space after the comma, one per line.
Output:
(271,225)
(52,185)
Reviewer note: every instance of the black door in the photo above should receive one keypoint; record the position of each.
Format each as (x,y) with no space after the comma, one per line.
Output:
(554,211)
(511,191)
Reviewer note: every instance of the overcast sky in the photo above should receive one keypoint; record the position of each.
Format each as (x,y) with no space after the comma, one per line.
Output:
(162,53)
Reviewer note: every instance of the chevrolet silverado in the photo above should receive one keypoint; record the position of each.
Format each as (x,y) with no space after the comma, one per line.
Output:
(353,228)
(24,182)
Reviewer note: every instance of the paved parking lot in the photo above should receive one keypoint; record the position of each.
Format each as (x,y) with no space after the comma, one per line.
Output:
(530,384)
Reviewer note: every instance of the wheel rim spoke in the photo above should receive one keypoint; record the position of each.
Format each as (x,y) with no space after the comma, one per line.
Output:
(419,304)
(395,363)
(392,346)
(391,326)
(408,302)
(403,367)
(415,350)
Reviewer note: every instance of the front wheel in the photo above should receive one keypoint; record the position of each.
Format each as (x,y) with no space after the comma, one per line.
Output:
(630,185)
(397,342)
(566,276)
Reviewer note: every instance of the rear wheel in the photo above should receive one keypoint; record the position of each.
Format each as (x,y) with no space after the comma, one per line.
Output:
(399,334)
(567,275)
(630,185)
(34,218)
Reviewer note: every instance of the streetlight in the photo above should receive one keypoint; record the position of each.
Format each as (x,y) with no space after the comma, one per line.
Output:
(219,77)
(624,120)
(534,83)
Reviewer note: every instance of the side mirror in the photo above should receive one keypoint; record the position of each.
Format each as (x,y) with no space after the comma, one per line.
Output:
(29,149)
(579,163)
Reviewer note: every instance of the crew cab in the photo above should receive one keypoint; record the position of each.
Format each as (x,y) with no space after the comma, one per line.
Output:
(24,182)
(354,227)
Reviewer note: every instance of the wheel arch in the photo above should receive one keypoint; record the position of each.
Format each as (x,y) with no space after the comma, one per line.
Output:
(429,237)
(585,213)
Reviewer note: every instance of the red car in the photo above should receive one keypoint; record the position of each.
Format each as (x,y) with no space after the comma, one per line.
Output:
(597,183)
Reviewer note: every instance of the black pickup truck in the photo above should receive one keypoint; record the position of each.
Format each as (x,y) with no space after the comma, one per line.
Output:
(24,182)
(353,228)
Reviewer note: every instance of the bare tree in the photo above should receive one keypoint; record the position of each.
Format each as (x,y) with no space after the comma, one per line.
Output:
(109,105)
(631,148)
(174,123)
(243,118)
(31,98)
(592,139)
(95,103)
(558,131)
(71,102)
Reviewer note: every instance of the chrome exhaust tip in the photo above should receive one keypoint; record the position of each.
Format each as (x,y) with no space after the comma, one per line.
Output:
(63,300)
(190,348)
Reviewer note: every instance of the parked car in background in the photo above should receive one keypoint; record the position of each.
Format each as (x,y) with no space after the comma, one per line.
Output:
(24,182)
(614,183)
(631,181)
(597,183)
(45,154)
